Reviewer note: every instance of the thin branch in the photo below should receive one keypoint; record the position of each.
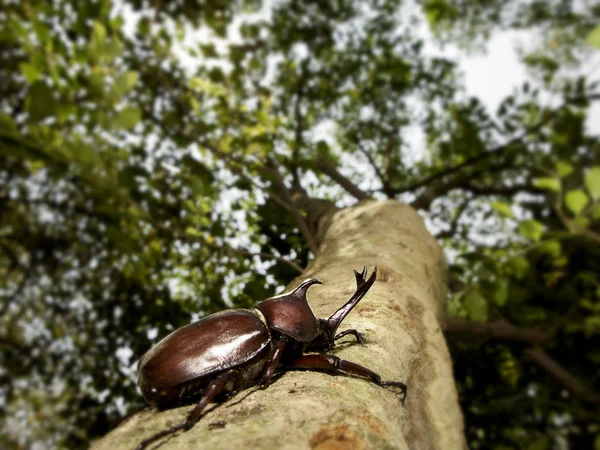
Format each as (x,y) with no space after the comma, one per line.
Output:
(504,191)
(480,157)
(286,202)
(340,179)
(489,153)
(500,330)
(572,226)
(14,259)
(584,98)
(299,129)
(229,249)
(378,172)
(389,166)
(465,183)
(18,290)
(454,225)
(237,169)
(455,284)
(562,375)
(296,214)
(10,343)
(503,330)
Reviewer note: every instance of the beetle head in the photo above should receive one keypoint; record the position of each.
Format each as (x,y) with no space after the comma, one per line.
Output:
(290,314)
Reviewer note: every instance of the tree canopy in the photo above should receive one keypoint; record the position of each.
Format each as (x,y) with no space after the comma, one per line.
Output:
(151,152)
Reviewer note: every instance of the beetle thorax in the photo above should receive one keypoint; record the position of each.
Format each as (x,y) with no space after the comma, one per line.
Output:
(290,316)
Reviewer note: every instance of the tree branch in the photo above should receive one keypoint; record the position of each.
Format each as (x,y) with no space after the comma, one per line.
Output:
(12,344)
(229,249)
(503,330)
(240,172)
(500,330)
(480,157)
(382,178)
(328,169)
(465,183)
(584,98)
(299,142)
(296,215)
(454,225)
(14,259)
(562,375)
(572,226)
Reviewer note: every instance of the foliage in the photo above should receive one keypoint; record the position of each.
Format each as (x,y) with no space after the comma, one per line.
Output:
(147,178)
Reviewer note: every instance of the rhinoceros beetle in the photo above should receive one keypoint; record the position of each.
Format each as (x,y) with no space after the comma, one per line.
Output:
(235,349)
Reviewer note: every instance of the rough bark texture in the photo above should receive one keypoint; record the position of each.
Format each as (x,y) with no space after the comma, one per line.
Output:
(400,320)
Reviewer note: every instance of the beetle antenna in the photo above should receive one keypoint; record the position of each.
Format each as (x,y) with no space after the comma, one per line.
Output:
(362,287)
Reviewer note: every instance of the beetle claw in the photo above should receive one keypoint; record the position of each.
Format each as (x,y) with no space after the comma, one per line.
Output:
(359,338)
(397,384)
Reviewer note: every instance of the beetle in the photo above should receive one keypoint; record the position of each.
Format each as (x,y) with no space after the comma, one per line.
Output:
(234,349)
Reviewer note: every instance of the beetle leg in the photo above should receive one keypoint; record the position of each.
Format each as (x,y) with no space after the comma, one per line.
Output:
(212,390)
(334,364)
(273,362)
(354,333)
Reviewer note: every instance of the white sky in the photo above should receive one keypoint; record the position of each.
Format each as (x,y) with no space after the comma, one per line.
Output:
(493,76)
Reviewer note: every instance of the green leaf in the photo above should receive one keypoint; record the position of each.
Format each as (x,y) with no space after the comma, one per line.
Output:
(198,186)
(551,184)
(531,229)
(503,208)
(209,50)
(593,38)
(551,248)
(98,32)
(8,127)
(542,443)
(476,306)
(96,84)
(30,73)
(111,49)
(207,86)
(123,84)
(40,101)
(518,266)
(193,232)
(563,168)
(591,325)
(126,81)
(581,221)
(500,294)
(592,182)
(576,200)
(323,149)
(127,118)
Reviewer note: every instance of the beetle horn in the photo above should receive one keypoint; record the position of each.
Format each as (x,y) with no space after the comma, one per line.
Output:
(362,287)
(300,291)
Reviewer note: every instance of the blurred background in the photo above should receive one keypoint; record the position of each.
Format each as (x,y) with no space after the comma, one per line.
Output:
(149,151)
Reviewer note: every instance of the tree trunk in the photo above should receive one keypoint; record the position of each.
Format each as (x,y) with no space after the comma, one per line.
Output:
(400,319)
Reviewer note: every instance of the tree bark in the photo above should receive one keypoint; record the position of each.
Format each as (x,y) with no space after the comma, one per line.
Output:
(400,319)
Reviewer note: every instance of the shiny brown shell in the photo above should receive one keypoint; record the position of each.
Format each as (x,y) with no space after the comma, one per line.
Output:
(217,342)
